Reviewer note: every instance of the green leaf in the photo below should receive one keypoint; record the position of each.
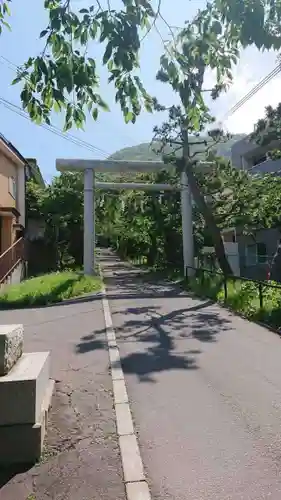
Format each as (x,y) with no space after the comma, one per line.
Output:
(95,113)
(92,62)
(93,30)
(107,53)
(101,103)
(42,65)
(16,80)
(56,45)
(7,25)
(57,107)
(6,9)
(148,107)
(56,24)
(217,27)
(129,116)
(162,76)
(69,111)
(67,126)
(84,37)
(25,96)
(43,33)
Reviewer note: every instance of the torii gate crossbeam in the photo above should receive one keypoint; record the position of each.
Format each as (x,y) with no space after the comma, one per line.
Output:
(89,167)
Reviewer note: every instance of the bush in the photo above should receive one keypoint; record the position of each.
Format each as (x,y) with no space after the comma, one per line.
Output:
(48,289)
(242,297)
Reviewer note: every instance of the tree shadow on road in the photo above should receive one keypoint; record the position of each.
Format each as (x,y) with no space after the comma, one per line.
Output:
(158,338)
(92,344)
(154,360)
(207,325)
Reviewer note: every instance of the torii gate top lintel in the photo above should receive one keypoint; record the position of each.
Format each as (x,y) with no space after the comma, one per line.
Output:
(113,166)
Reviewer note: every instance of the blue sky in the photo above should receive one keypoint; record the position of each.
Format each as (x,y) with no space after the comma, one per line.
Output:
(110,133)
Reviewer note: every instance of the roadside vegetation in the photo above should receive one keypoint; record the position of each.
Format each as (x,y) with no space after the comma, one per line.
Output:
(48,289)
(243,297)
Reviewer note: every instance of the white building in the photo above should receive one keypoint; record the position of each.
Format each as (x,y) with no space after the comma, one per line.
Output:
(248,155)
(255,254)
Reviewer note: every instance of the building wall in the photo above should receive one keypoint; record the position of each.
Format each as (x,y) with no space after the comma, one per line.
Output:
(21,195)
(238,151)
(268,167)
(7,233)
(259,270)
(245,153)
(12,195)
(7,169)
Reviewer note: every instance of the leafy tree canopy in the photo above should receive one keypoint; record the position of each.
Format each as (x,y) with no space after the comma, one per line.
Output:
(65,76)
(268,129)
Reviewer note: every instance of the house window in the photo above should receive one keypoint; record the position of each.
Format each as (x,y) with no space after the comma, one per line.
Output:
(261,253)
(251,255)
(13,187)
(256,254)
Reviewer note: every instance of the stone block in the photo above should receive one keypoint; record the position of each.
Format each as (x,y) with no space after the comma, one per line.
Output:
(22,390)
(11,346)
(23,443)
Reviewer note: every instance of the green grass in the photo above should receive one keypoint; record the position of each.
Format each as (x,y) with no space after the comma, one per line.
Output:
(242,297)
(48,289)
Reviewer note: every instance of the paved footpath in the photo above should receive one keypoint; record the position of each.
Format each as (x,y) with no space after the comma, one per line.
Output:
(205,391)
(81,460)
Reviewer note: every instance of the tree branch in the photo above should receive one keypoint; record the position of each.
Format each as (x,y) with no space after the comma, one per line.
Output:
(208,148)
(157,14)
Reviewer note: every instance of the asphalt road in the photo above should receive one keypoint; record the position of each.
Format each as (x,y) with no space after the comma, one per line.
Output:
(81,459)
(205,390)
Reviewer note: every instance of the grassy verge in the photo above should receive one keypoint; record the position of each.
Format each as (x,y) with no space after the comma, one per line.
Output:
(242,297)
(48,289)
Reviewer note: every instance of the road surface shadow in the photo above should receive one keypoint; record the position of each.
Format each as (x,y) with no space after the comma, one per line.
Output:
(156,359)
(156,336)
(162,333)
(9,472)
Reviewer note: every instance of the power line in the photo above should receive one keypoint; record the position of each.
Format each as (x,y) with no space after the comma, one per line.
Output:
(255,89)
(55,130)
(252,92)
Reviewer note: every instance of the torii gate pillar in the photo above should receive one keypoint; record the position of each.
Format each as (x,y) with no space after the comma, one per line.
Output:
(187,226)
(89,222)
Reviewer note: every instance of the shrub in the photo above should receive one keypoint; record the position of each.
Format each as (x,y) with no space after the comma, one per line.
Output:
(242,297)
(48,289)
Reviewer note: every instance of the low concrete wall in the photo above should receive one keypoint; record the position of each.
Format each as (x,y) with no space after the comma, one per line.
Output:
(18,274)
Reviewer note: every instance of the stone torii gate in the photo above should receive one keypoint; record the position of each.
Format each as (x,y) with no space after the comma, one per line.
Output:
(90,167)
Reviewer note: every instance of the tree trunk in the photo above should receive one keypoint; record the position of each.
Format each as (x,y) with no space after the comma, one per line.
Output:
(210,221)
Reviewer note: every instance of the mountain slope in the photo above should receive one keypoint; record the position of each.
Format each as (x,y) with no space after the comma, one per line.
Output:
(144,152)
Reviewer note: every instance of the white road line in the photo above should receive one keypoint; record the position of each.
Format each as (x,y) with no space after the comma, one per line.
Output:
(135,483)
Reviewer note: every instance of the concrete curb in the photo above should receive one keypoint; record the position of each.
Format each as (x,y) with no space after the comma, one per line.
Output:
(135,483)
(77,300)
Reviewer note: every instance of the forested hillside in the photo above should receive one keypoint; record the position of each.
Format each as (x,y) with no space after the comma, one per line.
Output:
(144,152)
